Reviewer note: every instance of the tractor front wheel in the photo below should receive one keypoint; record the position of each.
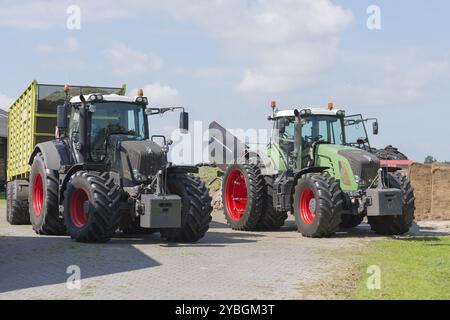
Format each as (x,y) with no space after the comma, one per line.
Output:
(317,205)
(243,196)
(396,225)
(195,209)
(91,205)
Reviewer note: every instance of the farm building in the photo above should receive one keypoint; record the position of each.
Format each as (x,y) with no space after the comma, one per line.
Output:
(3,144)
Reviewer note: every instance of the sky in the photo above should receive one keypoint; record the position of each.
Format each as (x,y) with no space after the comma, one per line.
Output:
(225,60)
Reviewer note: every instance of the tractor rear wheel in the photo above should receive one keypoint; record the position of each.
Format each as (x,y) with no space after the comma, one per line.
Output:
(271,219)
(195,208)
(17,212)
(243,196)
(318,204)
(91,207)
(350,221)
(43,199)
(396,225)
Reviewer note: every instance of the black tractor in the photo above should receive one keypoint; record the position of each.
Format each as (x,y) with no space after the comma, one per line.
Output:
(105,173)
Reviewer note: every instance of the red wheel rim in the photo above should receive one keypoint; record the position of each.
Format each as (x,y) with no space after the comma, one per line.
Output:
(78,216)
(307,206)
(236,194)
(38,195)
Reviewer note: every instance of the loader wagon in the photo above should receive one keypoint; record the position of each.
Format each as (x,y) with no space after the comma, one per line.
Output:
(32,120)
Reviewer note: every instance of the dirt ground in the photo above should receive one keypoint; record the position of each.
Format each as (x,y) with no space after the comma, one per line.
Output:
(225,264)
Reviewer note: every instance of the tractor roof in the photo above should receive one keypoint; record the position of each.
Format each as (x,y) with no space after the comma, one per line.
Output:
(106,97)
(314,111)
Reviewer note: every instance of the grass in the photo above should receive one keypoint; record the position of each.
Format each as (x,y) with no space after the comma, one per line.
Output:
(2,197)
(208,174)
(411,268)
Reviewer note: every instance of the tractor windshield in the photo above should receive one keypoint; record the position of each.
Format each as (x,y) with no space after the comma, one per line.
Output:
(115,118)
(355,132)
(321,128)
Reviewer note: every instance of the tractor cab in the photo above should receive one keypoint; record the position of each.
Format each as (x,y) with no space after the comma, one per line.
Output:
(297,132)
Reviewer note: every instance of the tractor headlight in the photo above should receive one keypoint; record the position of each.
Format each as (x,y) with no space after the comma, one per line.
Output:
(340,113)
(96,97)
(139,176)
(305,112)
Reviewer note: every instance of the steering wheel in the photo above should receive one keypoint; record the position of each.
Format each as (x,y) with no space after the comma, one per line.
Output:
(313,139)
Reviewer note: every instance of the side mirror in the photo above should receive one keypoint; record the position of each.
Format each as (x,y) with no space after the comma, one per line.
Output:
(61,117)
(184,122)
(375,128)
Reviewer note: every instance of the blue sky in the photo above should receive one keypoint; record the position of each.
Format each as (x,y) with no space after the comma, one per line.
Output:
(226,60)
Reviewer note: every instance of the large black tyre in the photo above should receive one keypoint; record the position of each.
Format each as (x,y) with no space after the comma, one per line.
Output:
(270,220)
(43,199)
(91,207)
(17,212)
(389,153)
(349,221)
(318,202)
(243,196)
(397,225)
(195,208)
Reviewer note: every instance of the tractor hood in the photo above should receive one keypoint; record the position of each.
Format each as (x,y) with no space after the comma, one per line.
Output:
(355,168)
(136,160)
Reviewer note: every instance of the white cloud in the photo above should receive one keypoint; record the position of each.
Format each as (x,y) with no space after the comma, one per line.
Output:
(5,102)
(70,45)
(400,78)
(125,60)
(159,95)
(282,44)
(278,45)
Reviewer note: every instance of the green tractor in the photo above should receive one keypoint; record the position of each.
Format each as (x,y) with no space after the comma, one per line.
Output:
(312,170)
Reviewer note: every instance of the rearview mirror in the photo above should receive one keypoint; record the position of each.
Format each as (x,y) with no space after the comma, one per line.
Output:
(375,127)
(61,117)
(184,122)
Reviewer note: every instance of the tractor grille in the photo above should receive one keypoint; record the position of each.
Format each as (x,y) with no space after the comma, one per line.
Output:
(364,165)
(144,156)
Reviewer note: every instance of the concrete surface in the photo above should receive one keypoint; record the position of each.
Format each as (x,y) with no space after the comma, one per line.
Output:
(224,265)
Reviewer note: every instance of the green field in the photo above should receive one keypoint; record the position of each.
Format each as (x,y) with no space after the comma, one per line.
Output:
(410,268)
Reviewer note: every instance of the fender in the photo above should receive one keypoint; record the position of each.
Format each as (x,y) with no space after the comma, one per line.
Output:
(54,152)
(182,169)
(304,171)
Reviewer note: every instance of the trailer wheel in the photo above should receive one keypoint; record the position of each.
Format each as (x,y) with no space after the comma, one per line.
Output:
(17,212)
(317,205)
(243,196)
(271,220)
(350,221)
(396,225)
(195,208)
(91,207)
(43,199)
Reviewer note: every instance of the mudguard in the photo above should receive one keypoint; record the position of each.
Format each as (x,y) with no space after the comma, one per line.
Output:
(55,154)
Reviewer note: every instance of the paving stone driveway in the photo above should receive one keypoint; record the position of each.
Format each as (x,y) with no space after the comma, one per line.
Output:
(224,265)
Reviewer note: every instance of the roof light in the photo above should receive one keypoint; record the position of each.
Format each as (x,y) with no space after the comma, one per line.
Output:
(273,105)
(340,113)
(305,112)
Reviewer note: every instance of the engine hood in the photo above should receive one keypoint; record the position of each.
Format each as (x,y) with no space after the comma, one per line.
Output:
(355,168)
